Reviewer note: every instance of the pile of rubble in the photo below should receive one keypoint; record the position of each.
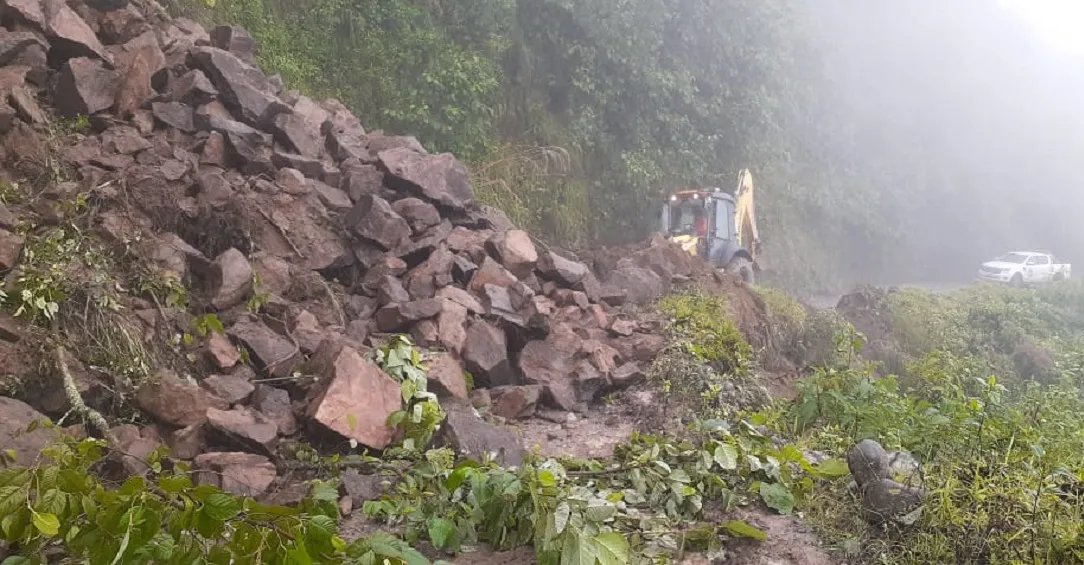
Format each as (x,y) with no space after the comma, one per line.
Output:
(198,162)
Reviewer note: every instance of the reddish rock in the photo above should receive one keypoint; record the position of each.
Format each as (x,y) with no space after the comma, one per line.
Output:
(491,272)
(627,375)
(481,399)
(446,376)
(192,88)
(244,427)
(231,388)
(485,353)
(221,352)
(170,400)
(214,150)
(237,41)
(560,269)
(515,402)
(175,115)
(84,87)
(395,317)
(15,418)
(461,297)
(391,291)
(451,325)
(375,220)
(357,399)
(69,34)
(643,285)
(515,250)
(308,333)
(335,199)
(242,474)
(440,178)
(601,356)
(271,351)
(186,443)
(137,62)
(623,328)
(274,403)
(432,275)
(292,181)
(11,247)
(473,438)
(30,11)
(640,347)
(361,180)
(136,445)
(419,214)
(243,89)
(231,280)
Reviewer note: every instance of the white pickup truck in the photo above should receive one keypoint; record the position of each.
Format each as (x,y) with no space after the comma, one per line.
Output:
(1022,268)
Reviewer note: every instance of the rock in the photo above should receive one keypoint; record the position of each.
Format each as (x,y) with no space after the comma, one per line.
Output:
(246,428)
(84,87)
(481,398)
(335,199)
(253,155)
(274,403)
(30,11)
(868,462)
(361,180)
(307,331)
(378,142)
(124,140)
(432,275)
(231,388)
(108,5)
(137,446)
(419,214)
(175,115)
(623,327)
(474,438)
(375,220)
(137,62)
(357,399)
(231,280)
(15,418)
(214,150)
(491,272)
(11,247)
(640,347)
(170,400)
(628,375)
(542,362)
(885,500)
(446,376)
(391,291)
(242,88)
(515,402)
(499,305)
(192,88)
(237,41)
(451,325)
(643,285)
(485,353)
(462,298)
(902,466)
(121,25)
(591,287)
(242,474)
(70,35)
(271,351)
(363,488)
(395,317)
(186,443)
(292,181)
(565,271)
(440,178)
(515,250)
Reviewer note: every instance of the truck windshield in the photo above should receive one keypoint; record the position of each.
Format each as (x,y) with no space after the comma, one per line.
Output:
(686,215)
(1012,258)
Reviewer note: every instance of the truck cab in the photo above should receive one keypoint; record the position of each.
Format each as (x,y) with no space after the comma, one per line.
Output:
(704,222)
(1024,268)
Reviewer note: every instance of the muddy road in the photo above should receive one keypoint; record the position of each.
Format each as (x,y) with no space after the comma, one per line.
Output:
(826,301)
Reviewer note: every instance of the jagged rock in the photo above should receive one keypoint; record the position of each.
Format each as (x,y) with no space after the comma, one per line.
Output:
(601,356)
(363,488)
(84,87)
(274,403)
(868,462)
(440,178)
(375,220)
(463,270)
(175,115)
(214,190)
(242,474)
(242,88)
(231,279)
(137,445)
(121,25)
(461,297)
(137,62)
(391,291)
(15,418)
(474,438)
(560,269)
(395,317)
(270,350)
(30,11)
(170,400)
(515,402)
(237,41)
(253,155)
(186,443)
(623,327)
(306,330)
(499,304)
(335,199)
(419,214)
(643,285)
(221,352)
(885,500)
(515,250)
(246,428)
(192,88)
(640,347)
(300,129)
(357,399)
(11,247)
(292,181)
(446,376)
(69,34)
(361,180)
(231,388)
(491,272)
(627,375)
(124,140)
(485,352)
(451,325)
(214,150)
(432,275)
(549,363)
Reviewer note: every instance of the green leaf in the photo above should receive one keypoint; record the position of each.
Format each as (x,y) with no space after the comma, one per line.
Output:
(441,531)
(742,529)
(726,457)
(351,421)
(46,523)
(778,497)
(460,474)
(221,506)
(546,479)
(612,548)
(560,517)
(599,513)
(833,468)
(16,560)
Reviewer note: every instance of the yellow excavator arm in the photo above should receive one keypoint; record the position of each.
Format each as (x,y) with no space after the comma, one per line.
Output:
(746,214)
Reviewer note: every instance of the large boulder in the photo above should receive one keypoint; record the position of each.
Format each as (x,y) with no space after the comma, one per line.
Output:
(15,420)
(245,428)
(868,462)
(84,87)
(375,220)
(173,401)
(231,279)
(270,350)
(516,252)
(485,352)
(70,35)
(242,474)
(137,62)
(446,376)
(357,398)
(440,178)
(474,438)
(643,286)
(244,89)
(557,268)
(237,41)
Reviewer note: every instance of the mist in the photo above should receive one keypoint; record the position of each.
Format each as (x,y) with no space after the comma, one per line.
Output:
(968,120)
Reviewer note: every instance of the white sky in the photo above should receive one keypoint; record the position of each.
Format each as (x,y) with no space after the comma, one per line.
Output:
(1060,23)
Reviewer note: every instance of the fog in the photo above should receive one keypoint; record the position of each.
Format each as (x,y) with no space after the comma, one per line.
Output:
(968,117)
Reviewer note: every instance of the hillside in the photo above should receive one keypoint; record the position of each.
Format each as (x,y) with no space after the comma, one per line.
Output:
(238,326)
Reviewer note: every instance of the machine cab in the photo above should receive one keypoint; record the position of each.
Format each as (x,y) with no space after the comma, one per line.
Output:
(699,220)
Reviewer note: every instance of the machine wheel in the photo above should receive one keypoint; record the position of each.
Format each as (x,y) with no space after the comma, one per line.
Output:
(1017,281)
(743,268)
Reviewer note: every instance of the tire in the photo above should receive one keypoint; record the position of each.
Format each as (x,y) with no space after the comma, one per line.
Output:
(743,268)
(1017,281)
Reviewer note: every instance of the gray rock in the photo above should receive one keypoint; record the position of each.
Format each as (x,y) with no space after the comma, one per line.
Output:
(868,462)
(902,466)
(885,500)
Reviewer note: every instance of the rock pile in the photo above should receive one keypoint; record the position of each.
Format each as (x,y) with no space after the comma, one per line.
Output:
(201,164)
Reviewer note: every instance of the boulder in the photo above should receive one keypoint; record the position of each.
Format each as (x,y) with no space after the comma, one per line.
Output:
(391,291)
(432,275)
(474,438)
(192,88)
(176,402)
(242,88)
(274,403)
(137,62)
(485,352)
(233,389)
(231,279)
(643,286)
(557,268)
(175,115)
(242,474)
(357,399)
(270,350)
(868,462)
(243,427)
(395,317)
(84,87)
(628,375)
(360,180)
(137,445)
(11,247)
(15,419)
(69,34)
(451,325)
(462,298)
(543,362)
(375,220)
(419,214)
(515,402)
(440,178)
(186,443)
(491,272)
(29,11)
(333,198)
(237,41)
(515,250)
(446,376)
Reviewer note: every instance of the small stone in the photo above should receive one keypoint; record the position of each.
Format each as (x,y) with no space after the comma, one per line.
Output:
(231,388)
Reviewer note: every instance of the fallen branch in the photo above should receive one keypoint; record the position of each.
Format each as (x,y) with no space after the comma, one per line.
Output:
(335,303)
(76,399)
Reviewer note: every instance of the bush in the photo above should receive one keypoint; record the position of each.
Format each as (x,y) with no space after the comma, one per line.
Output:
(704,327)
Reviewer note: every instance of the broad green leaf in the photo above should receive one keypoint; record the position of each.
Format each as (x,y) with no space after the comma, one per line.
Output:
(16,560)
(743,529)
(560,517)
(778,497)
(599,513)
(221,506)
(460,474)
(726,457)
(833,468)
(46,523)
(441,531)
(612,548)
(546,479)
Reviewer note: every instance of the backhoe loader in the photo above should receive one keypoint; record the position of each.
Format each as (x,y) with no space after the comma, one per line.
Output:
(717,226)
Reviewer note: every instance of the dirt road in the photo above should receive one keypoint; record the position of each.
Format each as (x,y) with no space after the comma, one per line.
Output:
(826,301)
